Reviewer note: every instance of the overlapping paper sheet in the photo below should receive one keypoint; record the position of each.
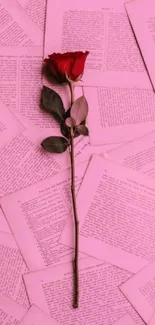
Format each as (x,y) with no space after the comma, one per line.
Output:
(142,17)
(114,166)
(101,301)
(10,312)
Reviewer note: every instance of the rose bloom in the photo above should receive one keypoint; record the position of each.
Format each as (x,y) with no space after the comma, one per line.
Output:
(70,64)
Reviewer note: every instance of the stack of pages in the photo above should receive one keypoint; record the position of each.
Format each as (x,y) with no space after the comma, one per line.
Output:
(115,166)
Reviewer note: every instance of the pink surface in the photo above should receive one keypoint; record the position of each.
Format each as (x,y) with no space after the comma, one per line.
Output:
(114,166)
(36,316)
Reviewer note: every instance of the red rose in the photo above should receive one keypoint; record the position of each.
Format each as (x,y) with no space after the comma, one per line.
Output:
(70,64)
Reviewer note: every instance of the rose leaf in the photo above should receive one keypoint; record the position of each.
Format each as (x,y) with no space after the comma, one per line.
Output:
(55,144)
(52,103)
(79,110)
(82,129)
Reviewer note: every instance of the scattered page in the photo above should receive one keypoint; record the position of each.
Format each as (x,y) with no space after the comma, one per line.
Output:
(140,291)
(12,269)
(119,112)
(35,316)
(126,320)
(21,82)
(10,126)
(10,312)
(116,215)
(42,210)
(3,223)
(104,149)
(103,29)
(36,9)
(142,18)
(100,300)
(23,163)
(138,154)
(16,27)
(152,321)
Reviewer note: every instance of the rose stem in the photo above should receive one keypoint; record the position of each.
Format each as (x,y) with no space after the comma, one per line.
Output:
(76,222)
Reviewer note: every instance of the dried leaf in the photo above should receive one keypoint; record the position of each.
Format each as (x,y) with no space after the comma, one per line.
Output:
(55,144)
(82,129)
(79,110)
(52,103)
(69,122)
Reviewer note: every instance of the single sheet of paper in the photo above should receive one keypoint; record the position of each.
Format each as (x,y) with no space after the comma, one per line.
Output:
(126,320)
(140,291)
(152,320)
(42,210)
(142,18)
(17,28)
(36,9)
(21,83)
(138,154)
(10,126)
(23,162)
(100,300)
(3,223)
(113,215)
(12,269)
(119,112)
(102,28)
(35,316)
(10,312)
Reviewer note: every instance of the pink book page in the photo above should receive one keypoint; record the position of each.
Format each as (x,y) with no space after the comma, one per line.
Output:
(122,111)
(142,18)
(42,210)
(113,215)
(126,320)
(3,223)
(152,320)
(36,10)
(35,316)
(12,269)
(17,27)
(140,291)
(138,154)
(23,162)
(100,300)
(95,26)
(10,126)
(21,84)
(10,312)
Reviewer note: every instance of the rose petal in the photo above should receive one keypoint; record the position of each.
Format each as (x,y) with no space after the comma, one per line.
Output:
(53,70)
(64,66)
(78,67)
(70,63)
